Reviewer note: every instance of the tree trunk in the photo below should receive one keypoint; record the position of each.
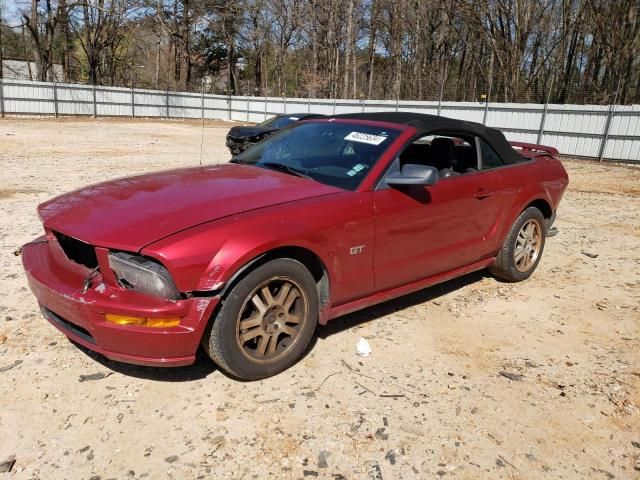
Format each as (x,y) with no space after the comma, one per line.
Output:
(92,58)
(63,10)
(257,73)
(349,53)
(26,53)
(35,33)
(372,50)
(156,73)
(185,51)
(396,22)
(1,48)
(159,26)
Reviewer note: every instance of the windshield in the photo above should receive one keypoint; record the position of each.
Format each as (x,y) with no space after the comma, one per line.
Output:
(337,154)
(279,121)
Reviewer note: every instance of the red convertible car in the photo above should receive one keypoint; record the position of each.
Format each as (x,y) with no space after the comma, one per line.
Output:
(323,218)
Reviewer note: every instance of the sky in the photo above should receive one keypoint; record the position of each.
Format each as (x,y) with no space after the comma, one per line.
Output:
(10,11)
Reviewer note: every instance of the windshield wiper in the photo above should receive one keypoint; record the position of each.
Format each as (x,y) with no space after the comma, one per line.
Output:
(286,169)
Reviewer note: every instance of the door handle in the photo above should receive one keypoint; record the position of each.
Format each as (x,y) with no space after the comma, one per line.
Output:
(482,193)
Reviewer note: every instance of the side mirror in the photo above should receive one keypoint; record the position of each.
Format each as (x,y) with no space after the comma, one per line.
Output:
(413,174)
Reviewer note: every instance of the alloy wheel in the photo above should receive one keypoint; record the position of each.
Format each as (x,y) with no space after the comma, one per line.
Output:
(271,319)
(528,244)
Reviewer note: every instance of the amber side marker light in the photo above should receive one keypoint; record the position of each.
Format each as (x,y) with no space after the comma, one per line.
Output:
(142,322)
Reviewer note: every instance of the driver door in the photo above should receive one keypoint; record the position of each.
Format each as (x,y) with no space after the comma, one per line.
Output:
(422,231)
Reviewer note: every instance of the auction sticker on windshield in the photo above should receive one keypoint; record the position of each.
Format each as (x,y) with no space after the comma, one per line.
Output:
(365,138)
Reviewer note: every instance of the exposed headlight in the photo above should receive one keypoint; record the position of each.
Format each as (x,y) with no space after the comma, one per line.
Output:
(143,275)
(259,137)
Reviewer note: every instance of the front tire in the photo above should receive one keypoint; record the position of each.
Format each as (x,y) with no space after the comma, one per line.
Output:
(522,249)
(266,322)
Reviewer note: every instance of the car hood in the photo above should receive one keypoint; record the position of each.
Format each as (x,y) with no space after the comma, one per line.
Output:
(130,213)
(249,131)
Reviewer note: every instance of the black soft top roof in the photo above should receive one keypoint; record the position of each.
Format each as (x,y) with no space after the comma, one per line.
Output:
(425,123)
(299,115)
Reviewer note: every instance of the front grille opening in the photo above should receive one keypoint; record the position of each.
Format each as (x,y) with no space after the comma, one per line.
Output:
(77,251)
(67,325)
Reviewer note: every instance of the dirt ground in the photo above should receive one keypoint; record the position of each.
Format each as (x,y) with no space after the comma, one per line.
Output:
(428,403)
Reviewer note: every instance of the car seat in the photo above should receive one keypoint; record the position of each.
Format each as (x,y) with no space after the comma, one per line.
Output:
(466,160)
(416,153)
(443,154)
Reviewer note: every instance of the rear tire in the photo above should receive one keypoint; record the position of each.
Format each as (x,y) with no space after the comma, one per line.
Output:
(523,247)
(266,321)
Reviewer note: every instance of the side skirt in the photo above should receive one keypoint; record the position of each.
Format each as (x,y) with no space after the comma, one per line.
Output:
(346,308)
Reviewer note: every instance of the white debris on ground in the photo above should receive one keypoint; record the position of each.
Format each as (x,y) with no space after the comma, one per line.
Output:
(363,348)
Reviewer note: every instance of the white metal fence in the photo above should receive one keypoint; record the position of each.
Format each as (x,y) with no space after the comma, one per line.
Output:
(610,132)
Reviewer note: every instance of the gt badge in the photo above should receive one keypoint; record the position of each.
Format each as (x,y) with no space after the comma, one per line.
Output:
(356,250)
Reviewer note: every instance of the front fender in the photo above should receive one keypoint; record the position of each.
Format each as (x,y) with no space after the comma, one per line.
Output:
(243,247)
(205,257)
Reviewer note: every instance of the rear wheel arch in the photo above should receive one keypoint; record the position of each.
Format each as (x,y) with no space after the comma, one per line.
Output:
(517,208)
(542,205)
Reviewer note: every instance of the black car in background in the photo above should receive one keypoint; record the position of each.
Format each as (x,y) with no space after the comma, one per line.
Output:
(242,137)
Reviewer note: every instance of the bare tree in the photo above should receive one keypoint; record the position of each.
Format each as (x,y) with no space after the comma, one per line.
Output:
(520,50)
(99,27)
(1,31)
(255,37)
(41,22)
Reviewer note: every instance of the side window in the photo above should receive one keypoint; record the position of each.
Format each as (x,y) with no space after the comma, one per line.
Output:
(448,153)
(490,158)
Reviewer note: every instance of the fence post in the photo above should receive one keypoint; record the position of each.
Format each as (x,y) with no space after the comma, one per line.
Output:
(55,100)
(133,103)
(440,97)
(1,98)
(334,106)
(166,99)
(544,114)
(362,102)
(542,122)
(486,111)
(605,134)
(488,99)
(285,103)
(309,103)
(95,104)
(229,104)
(397,103)
(607,126)
(248,107)
(202,100)
(265,107)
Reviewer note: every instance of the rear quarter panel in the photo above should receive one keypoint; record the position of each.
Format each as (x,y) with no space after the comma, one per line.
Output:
(541,178)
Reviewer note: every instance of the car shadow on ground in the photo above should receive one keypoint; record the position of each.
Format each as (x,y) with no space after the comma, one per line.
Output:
(202,368)
(391,306)
(203,365)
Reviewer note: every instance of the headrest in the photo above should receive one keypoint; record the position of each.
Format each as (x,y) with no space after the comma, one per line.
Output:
(443,145)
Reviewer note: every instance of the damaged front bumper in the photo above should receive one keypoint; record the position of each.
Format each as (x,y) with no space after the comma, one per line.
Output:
(238,145)
(57,284)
